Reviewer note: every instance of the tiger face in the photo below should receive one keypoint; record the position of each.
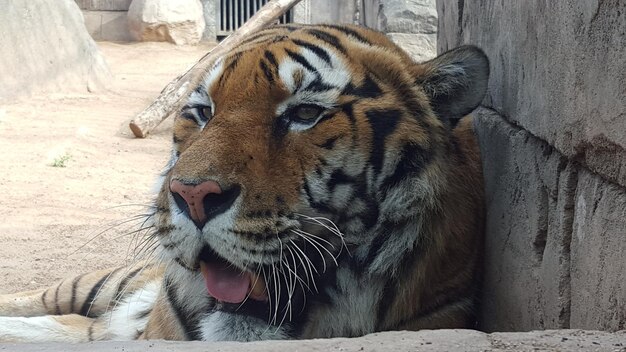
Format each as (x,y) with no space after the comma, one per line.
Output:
(295,158)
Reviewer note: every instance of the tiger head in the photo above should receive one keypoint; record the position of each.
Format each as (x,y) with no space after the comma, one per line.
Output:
(298,152)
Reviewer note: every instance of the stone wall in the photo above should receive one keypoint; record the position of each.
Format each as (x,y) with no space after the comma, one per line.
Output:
(106,19)
(552,131)
(412,24)
(46,49)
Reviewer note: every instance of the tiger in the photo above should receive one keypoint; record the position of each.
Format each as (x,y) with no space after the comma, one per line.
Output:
(321,184)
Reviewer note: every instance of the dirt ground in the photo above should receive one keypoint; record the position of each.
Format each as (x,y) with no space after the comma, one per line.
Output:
(57,221)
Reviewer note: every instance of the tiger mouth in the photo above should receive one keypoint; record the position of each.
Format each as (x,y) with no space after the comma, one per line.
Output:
(228,284)
(234,290)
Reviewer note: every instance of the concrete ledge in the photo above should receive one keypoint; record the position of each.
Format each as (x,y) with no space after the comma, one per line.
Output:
(426,340)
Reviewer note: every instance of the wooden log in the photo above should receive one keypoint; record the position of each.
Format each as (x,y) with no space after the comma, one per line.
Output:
(170,97)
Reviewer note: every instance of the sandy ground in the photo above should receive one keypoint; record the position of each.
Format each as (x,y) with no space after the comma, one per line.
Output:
(61,221)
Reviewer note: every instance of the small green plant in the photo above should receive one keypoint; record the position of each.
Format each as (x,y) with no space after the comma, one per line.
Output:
(61,160)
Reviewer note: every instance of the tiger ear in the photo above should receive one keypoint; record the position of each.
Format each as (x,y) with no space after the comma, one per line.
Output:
(455,81)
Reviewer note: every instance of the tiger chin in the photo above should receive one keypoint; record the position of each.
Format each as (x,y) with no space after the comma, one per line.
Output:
(321,184)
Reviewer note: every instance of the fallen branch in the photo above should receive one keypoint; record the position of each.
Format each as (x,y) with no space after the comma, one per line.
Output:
(171,95)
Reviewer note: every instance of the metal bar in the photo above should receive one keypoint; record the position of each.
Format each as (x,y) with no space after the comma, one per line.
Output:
(233,15)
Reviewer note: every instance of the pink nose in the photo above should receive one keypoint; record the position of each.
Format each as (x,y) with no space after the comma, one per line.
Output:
(194,197)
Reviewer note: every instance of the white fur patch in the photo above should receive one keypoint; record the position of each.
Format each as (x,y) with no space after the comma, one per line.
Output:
(222,326)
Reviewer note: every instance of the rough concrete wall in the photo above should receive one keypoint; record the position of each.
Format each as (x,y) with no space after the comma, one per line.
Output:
(412,24)
(210,20)
(552,135)
(325,11)
(106,19)
(46,48)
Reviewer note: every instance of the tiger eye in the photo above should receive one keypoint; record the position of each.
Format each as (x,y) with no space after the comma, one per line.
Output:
(308,112)
(206,113)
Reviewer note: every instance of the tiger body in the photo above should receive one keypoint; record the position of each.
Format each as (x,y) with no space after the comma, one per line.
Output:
(319,186)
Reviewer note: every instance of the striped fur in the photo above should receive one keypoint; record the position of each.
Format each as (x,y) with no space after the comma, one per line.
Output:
(357,200)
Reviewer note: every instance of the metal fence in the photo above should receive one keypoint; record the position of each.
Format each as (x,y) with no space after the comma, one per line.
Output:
(232,14)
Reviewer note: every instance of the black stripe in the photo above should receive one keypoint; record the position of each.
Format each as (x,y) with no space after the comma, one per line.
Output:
(383,122)
(228,70)
(122,286)
(369,89)
(314,48)
(267,32)
(266,71)
(312,202)
(57,308)
(338,177)
(413,159)
(271,58)
(327,38)
(74,288)
(318,86)
(91,297)
(183,319)
(143,314)
(301,60)
(329,143)
(349,32)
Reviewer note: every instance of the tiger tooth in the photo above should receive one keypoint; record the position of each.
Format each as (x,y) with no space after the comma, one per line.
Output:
(257,289)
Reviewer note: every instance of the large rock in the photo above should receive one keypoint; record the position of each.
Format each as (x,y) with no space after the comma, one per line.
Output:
(46,48)
(558,70)
(180,22)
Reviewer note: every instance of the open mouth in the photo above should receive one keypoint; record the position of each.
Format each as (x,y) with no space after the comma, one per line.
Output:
(234,290)
(228,284)
(276,296)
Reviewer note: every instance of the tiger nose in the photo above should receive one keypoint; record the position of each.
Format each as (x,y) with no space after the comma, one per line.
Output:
(202,201)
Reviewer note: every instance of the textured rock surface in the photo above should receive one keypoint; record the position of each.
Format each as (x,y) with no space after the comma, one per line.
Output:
(559,70)
(180,22)
(412,24)
(46,48)
(210,20)
(556,237)
(426,340)
(107,25)
(552,140)
(598,255)
(529,189)
(104,5)
(409,16)
(421,47)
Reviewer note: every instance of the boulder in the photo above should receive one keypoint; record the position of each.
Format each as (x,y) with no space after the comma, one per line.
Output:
(46,48)
(180,22)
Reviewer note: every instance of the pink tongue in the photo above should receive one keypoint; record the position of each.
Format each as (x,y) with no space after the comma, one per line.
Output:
(224,282)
